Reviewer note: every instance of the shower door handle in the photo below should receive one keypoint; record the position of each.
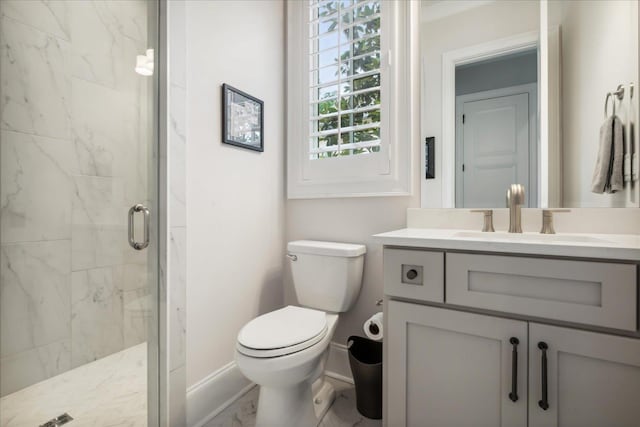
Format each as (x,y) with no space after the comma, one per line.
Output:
(145,236)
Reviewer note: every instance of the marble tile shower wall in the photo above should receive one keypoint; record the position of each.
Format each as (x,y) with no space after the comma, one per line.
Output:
(74,134)
(177,247)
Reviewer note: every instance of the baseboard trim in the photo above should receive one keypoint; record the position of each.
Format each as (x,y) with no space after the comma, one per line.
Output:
(338,363)
(215,393)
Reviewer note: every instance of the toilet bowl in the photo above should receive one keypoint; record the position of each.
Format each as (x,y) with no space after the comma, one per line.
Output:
(285,351)
(286,379)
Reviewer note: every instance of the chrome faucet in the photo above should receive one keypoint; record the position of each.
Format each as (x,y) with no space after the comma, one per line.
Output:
(515,199)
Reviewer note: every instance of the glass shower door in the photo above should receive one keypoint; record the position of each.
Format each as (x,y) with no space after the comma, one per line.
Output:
(78,152)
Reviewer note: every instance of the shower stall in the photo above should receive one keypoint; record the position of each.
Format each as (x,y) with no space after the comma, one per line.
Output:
(79,228)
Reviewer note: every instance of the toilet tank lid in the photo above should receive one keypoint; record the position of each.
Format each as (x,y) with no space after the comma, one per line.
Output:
(316,247)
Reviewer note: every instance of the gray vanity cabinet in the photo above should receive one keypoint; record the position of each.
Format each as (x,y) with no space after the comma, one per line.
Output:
(451,368)
(593,379)
(454,369)
(454,329)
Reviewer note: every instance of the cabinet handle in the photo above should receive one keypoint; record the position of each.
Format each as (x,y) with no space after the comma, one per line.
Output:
(412,274)
(544,402)
(514,369)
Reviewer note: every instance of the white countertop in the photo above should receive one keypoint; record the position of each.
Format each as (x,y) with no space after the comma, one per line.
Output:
(603,246)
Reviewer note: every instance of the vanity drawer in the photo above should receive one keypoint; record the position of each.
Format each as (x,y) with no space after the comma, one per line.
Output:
(595,293)
(416,274)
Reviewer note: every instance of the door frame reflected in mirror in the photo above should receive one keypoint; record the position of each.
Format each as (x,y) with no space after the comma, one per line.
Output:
(470,54)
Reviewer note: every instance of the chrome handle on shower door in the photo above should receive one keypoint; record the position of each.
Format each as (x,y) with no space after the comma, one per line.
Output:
(145,236)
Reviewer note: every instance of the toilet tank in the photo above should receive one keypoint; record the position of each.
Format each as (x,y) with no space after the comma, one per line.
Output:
(326,275)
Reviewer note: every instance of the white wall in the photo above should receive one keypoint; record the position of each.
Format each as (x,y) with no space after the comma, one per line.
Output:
(474,26)
(236,197)
(596,57)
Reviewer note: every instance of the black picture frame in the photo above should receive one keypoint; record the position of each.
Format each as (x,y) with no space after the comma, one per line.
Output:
(242,119)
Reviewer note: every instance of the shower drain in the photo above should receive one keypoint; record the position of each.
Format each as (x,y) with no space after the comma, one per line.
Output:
(58,421)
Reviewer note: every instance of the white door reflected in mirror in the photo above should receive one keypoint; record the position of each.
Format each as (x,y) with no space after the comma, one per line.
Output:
(570,54)
(493,141)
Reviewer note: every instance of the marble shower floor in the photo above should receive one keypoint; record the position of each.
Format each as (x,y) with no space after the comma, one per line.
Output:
(109,392)
(343,412)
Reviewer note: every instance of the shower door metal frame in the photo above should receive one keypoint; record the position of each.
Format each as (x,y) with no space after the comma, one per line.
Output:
(157,363)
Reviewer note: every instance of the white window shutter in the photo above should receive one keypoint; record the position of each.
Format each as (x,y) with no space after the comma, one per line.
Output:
(342,92)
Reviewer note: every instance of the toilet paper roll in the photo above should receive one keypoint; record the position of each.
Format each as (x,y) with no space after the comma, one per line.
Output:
(373,327)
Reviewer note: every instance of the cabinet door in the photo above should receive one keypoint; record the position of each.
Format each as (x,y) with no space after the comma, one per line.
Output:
(592,379)
(452,369)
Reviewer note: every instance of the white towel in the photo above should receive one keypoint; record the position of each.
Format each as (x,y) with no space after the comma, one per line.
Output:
(607,176)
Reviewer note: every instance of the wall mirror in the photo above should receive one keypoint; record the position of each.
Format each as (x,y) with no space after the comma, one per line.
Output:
(514,92)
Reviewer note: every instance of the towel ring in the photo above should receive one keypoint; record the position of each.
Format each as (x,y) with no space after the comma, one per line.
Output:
(606,103)
(619,93)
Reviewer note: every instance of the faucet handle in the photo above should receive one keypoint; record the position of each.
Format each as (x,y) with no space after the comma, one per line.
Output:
(547,220)
(488,219)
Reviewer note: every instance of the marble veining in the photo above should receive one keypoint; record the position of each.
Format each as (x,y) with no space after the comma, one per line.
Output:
(35,83)
(117,31)
(98,200)
(35,292)
(136,316)
(75,156)
(75,135)
(241,413)
(343,412)
(177,297)
(177,218)
(96,315)
(51,17)
(104,132)
(35,165)
(177,155)
(108,392)
(97,246)
(34,365)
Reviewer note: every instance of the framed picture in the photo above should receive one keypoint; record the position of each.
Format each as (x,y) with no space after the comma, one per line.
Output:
(242,119)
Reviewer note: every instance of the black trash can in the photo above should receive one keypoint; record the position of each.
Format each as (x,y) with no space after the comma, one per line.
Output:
(365,358)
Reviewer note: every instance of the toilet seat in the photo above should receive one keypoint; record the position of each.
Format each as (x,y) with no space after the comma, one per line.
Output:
(281,332)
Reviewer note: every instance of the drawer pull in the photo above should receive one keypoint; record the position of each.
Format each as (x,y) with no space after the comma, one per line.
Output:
(412,274)
(544,402)
(514,369)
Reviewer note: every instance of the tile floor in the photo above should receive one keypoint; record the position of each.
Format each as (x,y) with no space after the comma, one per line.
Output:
(111,391)
(343,412)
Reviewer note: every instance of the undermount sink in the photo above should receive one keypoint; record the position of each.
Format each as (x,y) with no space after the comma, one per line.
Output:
(530,237)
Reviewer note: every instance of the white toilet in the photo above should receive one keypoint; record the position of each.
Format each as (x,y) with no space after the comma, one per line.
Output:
(285,351)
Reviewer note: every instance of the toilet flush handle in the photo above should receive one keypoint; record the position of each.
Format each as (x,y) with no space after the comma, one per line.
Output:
(292,257)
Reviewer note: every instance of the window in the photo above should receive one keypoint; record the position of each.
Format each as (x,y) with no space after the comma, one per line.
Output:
(348,100)
(344,79)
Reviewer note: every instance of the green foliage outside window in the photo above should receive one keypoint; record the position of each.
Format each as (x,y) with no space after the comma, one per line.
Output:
(363,56)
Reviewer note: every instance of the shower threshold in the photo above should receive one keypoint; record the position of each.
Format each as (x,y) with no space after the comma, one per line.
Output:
(111,391)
